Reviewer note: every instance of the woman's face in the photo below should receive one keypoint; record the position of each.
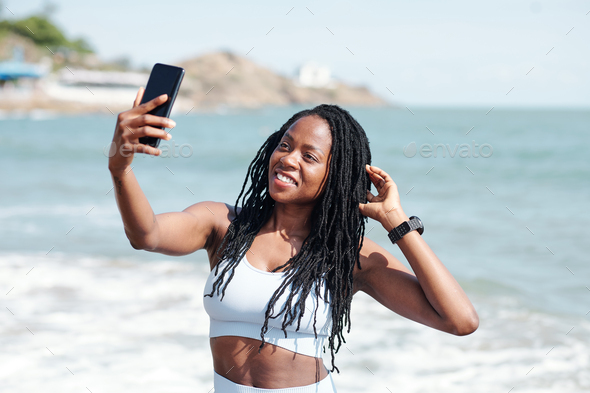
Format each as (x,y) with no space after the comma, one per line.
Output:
(298,167)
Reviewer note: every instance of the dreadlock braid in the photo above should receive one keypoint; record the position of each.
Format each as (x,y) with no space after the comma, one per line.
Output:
(337,227)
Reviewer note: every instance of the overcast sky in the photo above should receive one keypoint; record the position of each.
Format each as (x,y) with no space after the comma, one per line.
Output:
(443,53)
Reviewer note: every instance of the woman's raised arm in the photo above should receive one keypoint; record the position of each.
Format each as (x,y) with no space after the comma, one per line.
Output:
(170,233)
(431,295)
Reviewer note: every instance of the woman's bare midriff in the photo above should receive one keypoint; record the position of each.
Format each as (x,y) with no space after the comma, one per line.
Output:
(237,359)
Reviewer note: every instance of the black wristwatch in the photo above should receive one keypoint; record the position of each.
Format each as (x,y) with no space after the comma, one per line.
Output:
(414,223)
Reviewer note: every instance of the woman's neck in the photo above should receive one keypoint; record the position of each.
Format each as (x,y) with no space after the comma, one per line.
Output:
(290,220)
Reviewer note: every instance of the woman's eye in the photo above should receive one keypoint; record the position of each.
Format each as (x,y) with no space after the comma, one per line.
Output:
(284,145)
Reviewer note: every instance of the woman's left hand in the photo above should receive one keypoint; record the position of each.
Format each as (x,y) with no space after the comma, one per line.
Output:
(385,207)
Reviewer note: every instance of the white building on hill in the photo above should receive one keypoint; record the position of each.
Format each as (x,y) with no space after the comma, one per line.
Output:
(313,75)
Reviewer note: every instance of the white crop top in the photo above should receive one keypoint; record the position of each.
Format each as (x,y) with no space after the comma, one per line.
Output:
(241,312)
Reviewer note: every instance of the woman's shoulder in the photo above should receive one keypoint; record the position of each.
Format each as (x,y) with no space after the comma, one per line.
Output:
(214,218)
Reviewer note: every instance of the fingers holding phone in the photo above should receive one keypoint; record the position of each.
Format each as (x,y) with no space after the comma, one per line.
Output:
(140,129)
(147,125)
(134,124)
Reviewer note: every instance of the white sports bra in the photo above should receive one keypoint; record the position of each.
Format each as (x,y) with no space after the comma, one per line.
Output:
(241,312)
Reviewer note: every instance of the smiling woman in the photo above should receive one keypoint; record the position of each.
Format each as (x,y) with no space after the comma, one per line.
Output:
(288,257)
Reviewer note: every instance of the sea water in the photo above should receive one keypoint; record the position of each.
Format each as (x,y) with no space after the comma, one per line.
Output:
(504,203)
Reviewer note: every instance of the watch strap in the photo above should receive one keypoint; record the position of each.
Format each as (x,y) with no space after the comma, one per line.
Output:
(399,231)
(404,228)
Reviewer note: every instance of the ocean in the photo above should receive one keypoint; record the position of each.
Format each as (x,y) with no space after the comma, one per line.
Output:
(503,195)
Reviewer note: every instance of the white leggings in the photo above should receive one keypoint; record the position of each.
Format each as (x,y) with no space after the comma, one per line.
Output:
(224,385)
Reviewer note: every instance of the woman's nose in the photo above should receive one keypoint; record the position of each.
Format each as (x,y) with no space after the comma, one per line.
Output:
(289,160)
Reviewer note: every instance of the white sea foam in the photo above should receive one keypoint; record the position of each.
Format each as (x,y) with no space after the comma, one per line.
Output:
(513,347)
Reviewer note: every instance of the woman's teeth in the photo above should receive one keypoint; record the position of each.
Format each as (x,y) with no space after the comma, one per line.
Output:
(285,179)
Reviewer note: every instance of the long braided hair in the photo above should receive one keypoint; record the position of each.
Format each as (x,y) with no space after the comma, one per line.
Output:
(337,227)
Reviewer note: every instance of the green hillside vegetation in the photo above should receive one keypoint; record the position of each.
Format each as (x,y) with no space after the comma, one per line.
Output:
(40,37)
(43,33)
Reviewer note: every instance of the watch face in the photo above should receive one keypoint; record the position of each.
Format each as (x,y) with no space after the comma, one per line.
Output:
(421,226)
(418,224)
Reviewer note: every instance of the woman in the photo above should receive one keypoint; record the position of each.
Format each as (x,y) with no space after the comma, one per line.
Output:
(286,264)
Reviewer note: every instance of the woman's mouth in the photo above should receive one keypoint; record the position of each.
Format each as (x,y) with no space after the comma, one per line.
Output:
(285,179)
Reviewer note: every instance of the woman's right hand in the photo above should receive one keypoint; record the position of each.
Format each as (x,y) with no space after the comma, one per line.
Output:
(134,124)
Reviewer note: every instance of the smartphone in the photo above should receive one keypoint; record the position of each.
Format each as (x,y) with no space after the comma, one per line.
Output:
(164,79)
